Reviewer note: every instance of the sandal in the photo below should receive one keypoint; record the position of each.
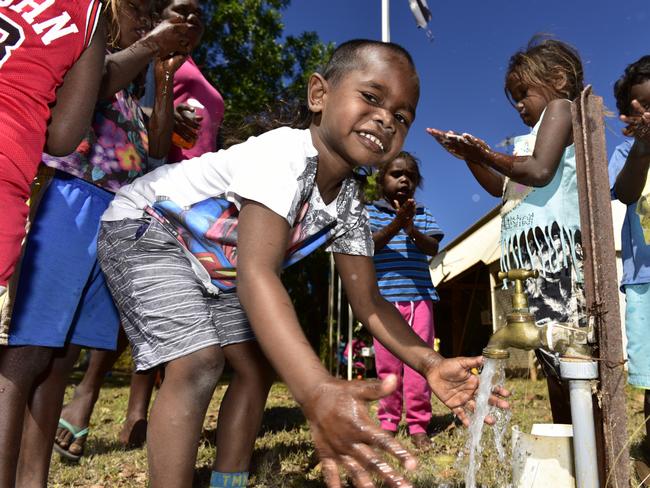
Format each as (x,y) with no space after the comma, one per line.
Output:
(77,433)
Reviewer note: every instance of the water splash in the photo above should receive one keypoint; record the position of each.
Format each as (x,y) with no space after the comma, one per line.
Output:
(501,417)
(493,373)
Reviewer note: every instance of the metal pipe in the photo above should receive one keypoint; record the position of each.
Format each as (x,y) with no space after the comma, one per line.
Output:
(580,375)
(350,338)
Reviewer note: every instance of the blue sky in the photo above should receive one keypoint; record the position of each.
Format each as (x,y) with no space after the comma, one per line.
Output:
(462,71)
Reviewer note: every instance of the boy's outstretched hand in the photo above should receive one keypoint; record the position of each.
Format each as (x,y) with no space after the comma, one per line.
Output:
(453,382)
(345,435)
(638,122)
(462,146)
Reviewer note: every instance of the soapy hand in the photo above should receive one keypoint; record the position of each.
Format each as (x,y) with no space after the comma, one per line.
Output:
(638,123)
(345,435)
(463,146)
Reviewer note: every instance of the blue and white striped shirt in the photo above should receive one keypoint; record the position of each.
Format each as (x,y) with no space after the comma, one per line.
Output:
(402,268)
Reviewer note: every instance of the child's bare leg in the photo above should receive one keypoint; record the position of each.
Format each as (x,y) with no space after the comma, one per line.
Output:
(177,416)
(240,415)
(19,367)
(41,418)
(80,408)
(134,429)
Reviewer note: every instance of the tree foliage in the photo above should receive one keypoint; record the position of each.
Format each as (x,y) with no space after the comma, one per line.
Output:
(246,56)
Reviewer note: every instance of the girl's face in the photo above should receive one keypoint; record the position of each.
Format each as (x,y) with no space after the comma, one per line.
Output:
(190,12)
(641,93)
(400,180)
(365,115)
(134,19)
(530,101)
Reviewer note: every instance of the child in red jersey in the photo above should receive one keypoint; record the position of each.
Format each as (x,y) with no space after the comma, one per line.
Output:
(51,55)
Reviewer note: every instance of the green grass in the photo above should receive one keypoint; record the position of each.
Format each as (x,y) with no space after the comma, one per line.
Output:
(284,456)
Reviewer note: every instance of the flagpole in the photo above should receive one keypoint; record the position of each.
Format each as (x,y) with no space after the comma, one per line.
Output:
(385,20)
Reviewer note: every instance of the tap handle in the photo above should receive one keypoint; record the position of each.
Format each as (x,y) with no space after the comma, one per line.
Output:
(518,274)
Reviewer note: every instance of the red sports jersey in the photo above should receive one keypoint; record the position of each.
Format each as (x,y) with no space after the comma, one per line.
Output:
(40,40)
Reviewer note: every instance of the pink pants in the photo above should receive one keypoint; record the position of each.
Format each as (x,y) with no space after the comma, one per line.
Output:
(411,387)
(15,182)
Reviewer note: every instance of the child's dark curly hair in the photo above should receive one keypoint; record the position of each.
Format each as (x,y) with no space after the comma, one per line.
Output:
(407,156)
(541,63)
(635,74)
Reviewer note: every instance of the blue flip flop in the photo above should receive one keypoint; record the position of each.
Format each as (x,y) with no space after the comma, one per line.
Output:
(77,433)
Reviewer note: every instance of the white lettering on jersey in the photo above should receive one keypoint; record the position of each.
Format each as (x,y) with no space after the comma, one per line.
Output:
(37,8)
(53,28)
(57,28)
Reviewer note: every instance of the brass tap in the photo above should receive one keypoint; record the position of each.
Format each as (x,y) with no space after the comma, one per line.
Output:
(520,330)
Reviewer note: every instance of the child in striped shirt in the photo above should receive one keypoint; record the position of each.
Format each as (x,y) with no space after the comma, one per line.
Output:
(406,236)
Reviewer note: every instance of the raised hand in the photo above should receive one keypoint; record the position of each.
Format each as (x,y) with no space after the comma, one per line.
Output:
(345,435)
(405,214)
(453,382)
(638,123)
(171,36)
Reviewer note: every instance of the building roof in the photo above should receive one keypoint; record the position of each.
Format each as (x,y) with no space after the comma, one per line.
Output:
(481,243)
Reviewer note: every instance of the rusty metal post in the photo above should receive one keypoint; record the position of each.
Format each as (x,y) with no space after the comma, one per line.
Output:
(601,283)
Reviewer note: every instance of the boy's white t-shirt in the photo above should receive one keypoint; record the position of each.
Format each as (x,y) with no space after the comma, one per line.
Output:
(277,169)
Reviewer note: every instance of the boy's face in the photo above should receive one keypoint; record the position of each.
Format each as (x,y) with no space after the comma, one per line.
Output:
(366,114)
(641,93)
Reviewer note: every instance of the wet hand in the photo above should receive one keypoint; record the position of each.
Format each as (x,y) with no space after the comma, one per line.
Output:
(186,122)
(462,146)
(345,436)
(171,36)
(453,382)
(638,122)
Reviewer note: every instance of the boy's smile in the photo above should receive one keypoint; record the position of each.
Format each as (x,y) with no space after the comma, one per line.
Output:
(365,114)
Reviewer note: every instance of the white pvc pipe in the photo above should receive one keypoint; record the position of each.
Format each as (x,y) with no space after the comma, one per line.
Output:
(385,20)
(584,434)
(580,374)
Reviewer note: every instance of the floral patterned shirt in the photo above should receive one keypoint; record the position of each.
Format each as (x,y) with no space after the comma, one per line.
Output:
(115,150)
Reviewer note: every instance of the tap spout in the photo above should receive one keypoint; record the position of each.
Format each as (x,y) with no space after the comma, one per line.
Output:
(521,335)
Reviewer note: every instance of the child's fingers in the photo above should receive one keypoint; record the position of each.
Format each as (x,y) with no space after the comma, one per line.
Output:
(360,477)
(331,473)
(385,442)
(373,461)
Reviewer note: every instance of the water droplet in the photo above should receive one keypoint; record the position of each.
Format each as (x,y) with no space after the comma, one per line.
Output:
(429,35)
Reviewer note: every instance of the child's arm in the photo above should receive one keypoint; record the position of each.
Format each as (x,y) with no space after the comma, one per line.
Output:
(554,135)
(342,430)
(403,218)
(72,111)
(632,178)
(122,67)
(450,379)
(161,122)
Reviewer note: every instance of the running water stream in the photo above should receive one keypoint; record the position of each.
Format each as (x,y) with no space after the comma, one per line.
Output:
(493,374)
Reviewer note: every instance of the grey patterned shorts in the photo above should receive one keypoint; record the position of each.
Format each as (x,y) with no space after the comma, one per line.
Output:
(165,309)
